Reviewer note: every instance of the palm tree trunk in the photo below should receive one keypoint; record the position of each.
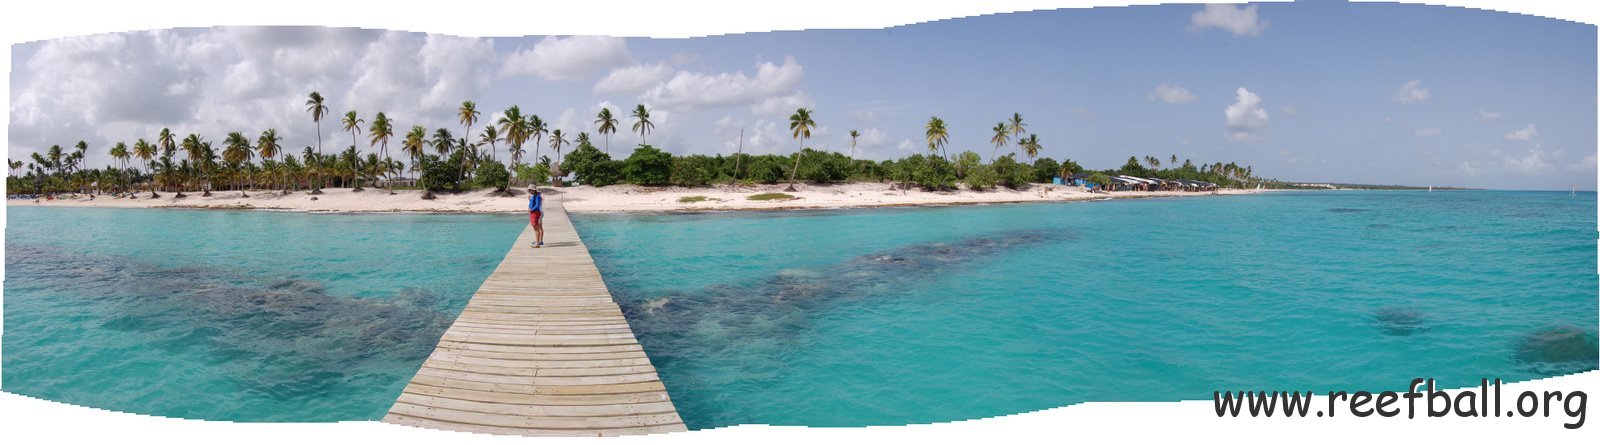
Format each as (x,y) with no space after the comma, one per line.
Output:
(796,170)
(316,188)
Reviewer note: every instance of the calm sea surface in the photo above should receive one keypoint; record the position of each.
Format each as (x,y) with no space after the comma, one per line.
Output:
(884,316)
(254,316)
(856,317)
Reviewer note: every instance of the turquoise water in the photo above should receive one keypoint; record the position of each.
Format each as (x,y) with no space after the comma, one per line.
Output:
(252,316)
(893,316)
(828,318)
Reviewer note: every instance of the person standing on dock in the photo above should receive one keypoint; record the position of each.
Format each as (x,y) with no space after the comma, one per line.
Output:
(536,215)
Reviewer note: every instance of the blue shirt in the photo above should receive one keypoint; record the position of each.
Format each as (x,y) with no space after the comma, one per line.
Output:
(535,203)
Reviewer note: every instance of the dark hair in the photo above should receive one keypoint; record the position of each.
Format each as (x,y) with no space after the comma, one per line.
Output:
(533,190)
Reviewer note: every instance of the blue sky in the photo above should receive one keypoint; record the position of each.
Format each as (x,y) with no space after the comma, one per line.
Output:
(1322,91)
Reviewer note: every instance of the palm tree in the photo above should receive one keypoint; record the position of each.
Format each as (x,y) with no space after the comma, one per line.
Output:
(77,164)
(352,123)
(469,158)
(168,148)
(351,158)
(938,135)
(490,136)
(641,124)
(194,147)
(443,143)
(1152,161)
(145,152)
(119,153)
(373,167)
(13,166)
(608,125)
(415,140)
(467,115)
(1030,145)
(379,134)
(537,128)
(853,136)
(556,141)
(1174,161)
(267,146)
(515,128)
(800,124)
(207,166)
(1017,126)
(1002,136)
(237,152)
(317,109)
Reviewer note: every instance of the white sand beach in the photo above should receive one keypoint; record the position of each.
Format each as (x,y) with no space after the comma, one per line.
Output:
(616,198)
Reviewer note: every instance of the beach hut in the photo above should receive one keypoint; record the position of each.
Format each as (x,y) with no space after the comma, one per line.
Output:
(398,181)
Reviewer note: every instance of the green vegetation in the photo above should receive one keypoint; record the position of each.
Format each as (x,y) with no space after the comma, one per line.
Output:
(441,162)
(690,199)
(773,196)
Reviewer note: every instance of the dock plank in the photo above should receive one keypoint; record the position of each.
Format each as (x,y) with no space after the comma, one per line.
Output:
(541,349)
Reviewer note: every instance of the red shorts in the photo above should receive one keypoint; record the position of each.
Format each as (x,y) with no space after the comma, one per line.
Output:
(535,216)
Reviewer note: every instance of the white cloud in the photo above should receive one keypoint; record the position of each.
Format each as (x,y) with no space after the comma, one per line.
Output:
(401,71)
(1245,118)
(452,66)
(1241,21)
(1467,169)
(1586,164)
(1534,162)
(1411,93)
(1171,94)
(783,106)
(632,79)
(568,58)
(872,138)
(1486,115)
(1429,132)
(1288,109)
(121,87)
(864,117)
(1522,134)
(691,90)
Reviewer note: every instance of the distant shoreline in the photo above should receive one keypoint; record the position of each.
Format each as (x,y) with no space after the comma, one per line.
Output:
(611,199)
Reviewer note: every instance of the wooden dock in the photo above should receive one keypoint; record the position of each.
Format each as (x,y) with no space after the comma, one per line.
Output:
(540,350)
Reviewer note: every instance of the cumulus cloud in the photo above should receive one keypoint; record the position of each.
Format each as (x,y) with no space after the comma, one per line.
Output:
(1171,94)
(691,90)
(1532,163)
(568,58)
(1522,134)
(401,71)
(1411,93)
(126,86)
(1241,21)
(1245,118)
(783,106)
(1486,115)
(864,117)
(872,138)
(1288,109)
(1583,165)
(632,79)
(1429,132)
